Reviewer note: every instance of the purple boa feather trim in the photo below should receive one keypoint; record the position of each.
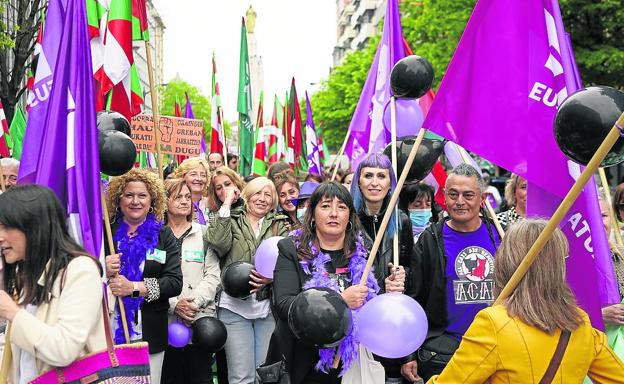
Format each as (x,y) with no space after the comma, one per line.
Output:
(134,251)
(319,278)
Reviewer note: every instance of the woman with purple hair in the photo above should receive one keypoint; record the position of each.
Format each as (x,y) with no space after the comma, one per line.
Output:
(373,184)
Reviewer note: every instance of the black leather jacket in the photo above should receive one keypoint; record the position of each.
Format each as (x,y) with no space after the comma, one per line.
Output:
(370,224)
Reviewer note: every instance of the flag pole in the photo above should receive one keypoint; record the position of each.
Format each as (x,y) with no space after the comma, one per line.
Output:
(395,240)
(220,116)
(340,153)
(488,206)
(562,210)
(391,204)
(155,117)
(612,217)
(7,356)
(111,247)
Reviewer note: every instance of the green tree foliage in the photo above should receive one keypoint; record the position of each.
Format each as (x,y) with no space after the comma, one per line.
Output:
(5,37)
(433,29)
(597,34)
(201,104)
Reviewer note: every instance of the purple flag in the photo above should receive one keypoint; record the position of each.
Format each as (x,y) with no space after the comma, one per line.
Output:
(61,142)
(517,54)
(368,133)
(188,113)
(312,145)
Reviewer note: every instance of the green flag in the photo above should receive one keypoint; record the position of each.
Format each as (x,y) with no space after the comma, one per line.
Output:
(244,107)
(17,128)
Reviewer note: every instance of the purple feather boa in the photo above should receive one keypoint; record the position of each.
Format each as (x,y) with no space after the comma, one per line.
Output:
(134,251)
(319,278)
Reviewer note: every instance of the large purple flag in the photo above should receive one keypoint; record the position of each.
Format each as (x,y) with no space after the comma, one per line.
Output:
(368,133)
(61,141)
(312,145)
(511,70)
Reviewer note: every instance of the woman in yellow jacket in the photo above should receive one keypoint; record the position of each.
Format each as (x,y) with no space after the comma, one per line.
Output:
(515,342)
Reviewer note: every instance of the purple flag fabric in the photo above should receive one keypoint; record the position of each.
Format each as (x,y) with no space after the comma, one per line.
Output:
(368,133)
(61,140)
(518,56)
(312,145)
(188,113)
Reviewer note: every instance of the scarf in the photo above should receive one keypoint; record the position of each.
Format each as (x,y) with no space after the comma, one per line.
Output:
(320,278)
(134,250)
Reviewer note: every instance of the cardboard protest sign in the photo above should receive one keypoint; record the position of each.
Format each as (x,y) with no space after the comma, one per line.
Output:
(178,136)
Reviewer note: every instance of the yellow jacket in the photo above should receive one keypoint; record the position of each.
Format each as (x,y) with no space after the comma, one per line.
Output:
(71,325)
(503,349)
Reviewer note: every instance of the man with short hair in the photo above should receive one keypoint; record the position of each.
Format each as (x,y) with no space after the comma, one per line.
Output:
(10,167)
(452,271)
(215,160)
(232,161)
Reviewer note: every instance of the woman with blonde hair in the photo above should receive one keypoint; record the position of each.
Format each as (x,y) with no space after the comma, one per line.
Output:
(144,268)
(538,333)
(194,171)
(234,235)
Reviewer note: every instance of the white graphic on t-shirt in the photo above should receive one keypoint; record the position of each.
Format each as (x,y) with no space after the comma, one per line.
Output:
(475,267)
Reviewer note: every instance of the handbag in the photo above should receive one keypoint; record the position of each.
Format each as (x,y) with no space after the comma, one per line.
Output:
(273,373)
(365,369)
(434,355)
(117,364)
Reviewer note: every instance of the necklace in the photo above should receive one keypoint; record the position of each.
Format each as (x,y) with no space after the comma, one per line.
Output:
(320,278)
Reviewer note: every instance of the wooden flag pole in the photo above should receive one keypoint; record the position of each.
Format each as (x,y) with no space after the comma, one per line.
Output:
(220,117)
(111,247)
(155,116)
(391,204)
(612,216)
(340,153)
(7,356)
(395,240)
(488,206)
(562,210)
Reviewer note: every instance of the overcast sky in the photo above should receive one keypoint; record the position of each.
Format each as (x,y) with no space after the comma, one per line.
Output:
(294,38)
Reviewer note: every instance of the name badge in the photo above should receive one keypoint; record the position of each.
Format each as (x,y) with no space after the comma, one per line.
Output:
(158,256)
(194,256)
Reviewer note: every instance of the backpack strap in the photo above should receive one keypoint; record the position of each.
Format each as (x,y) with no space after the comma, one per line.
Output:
(555,362)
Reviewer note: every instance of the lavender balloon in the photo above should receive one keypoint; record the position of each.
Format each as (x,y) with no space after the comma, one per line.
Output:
(179,335)
(409,117)
(391,325)
(266,256)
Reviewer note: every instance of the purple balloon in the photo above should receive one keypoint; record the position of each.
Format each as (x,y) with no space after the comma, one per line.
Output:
(391,325)
(409,117)
(179,335)
(266,256)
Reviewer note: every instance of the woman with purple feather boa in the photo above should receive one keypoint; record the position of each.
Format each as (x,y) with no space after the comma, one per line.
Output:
(144,268)
(327,252)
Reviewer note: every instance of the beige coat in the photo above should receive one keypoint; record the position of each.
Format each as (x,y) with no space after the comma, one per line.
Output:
(69,326)
(200,272)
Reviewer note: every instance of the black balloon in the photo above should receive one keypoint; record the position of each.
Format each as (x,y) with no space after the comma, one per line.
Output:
(209,334)
(113,121)
(583,121)
(235,279)
(411,77)
(117,152)
(425,159)
(319,317)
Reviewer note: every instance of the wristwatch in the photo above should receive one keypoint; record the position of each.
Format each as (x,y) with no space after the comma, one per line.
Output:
(135,289)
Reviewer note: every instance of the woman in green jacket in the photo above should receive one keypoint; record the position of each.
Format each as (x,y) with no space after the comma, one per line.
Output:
(235,232)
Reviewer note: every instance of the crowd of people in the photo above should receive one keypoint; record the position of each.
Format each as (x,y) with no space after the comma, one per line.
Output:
(172,240)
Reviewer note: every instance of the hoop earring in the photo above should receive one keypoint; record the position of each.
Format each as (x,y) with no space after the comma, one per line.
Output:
(312,224)
(151,210)
(349,226)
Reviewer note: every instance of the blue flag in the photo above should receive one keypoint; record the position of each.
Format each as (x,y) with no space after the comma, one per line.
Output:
(61,141)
